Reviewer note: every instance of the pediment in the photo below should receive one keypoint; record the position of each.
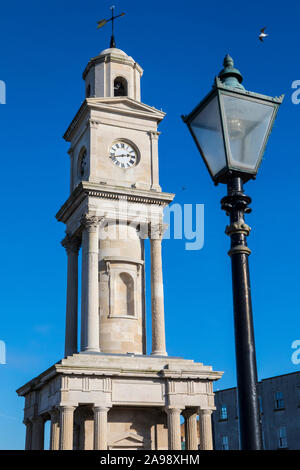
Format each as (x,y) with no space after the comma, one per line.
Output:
(119,105)
(126,104)
(127,439)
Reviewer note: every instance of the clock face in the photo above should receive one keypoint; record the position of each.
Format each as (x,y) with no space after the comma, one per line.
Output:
(123,155)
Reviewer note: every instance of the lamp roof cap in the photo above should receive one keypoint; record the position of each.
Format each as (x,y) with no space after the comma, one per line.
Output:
(229,75)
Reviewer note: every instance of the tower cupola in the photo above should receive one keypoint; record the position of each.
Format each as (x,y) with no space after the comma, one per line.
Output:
(112,73)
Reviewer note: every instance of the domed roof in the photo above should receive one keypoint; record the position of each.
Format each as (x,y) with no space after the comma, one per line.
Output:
(113,50)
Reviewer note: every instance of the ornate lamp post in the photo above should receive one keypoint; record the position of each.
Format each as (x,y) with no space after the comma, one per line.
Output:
(231,127)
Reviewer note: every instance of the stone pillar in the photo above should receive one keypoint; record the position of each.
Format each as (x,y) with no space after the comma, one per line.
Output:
(174,434)
(66,427)
(157,292)
(28,439)
(72,245)
(100,427)
(37,442)
(206,439)
(154,160)
(54,430)
(89,289)
(191,429)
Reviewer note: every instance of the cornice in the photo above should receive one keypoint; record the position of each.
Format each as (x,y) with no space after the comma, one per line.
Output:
(86,189)
(110,105)
(185,370)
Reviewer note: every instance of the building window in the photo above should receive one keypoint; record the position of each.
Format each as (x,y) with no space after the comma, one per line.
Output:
(120,87)
(282,438)
(279,401)
(223,413)
(225,443)
(88,91)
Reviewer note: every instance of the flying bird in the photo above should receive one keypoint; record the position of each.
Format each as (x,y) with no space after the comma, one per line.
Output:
(262,34)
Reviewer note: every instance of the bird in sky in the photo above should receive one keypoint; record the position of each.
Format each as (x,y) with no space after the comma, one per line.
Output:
(262,34)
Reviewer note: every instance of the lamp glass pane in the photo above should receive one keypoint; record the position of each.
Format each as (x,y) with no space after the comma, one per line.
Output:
(247,124)
(207,129)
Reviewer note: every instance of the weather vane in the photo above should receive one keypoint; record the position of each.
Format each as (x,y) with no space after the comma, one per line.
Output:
(112,19)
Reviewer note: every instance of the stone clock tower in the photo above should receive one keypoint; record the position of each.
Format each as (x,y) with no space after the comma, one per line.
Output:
(109,392)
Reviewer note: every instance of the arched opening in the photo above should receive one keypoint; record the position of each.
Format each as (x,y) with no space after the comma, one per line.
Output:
(82,163)
(125,290)
(120,86)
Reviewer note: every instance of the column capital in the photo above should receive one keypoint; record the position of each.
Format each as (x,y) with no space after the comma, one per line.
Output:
(90,222)
(103,408)
(71,244)
(54,413)
(205,411)
(173,410)
(27,421)
(66,408)
(154,134)
(37,419)
(188,412)
(157,230)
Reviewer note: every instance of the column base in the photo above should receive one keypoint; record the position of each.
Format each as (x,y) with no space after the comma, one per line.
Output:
(159,353)
(90,350)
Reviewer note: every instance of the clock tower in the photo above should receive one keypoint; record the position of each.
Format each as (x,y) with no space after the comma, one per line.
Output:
(111,391)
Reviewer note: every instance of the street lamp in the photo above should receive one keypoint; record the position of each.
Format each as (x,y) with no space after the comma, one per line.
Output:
(231,127)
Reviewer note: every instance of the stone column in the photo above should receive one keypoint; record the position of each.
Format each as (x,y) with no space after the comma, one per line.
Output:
(206,439)
(37,442)
(89,289)
(72,245)
(66,427)
(154,160)
(100,427)
(191,429)
(28,439)
(174,434)
(54,430)
(157,292)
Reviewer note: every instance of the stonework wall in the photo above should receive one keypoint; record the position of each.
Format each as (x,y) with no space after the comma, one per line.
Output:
(121,291)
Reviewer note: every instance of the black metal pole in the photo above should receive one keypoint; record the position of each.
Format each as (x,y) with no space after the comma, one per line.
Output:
(236,205)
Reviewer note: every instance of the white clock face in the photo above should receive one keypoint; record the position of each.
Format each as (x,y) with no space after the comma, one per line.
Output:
(123,155)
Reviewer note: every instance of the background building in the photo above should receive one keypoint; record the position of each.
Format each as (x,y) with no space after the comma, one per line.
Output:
(279,399)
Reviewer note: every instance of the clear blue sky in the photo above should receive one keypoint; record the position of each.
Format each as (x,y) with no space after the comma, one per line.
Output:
(181,46)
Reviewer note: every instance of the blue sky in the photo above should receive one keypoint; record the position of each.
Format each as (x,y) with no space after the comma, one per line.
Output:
(181,46)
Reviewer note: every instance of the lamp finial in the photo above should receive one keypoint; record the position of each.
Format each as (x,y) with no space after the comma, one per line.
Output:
(231,76)
(228,61)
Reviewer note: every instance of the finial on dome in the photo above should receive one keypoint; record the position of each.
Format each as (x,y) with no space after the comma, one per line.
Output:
(112,19)
(231,76)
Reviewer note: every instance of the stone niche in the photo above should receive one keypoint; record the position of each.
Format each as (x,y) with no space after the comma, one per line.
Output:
(137,428)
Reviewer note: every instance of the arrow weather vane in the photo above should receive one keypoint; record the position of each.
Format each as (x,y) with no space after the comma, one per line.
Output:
(103,22)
